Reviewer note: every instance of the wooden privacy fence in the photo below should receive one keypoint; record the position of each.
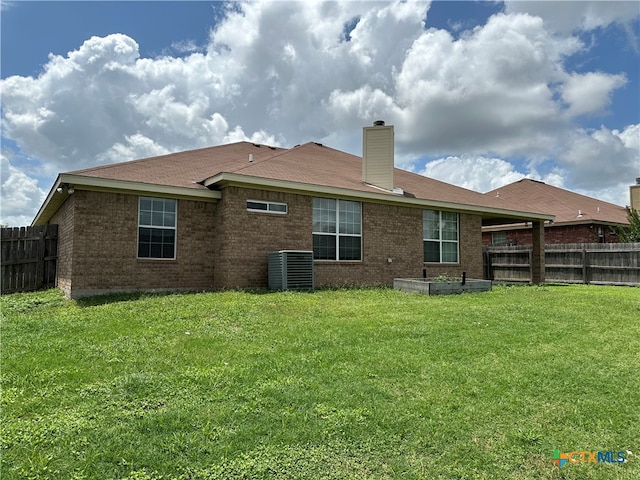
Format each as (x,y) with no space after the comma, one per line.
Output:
(596,263)
(29,257)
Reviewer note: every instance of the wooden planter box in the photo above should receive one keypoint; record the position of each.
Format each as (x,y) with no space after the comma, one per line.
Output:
(427,287)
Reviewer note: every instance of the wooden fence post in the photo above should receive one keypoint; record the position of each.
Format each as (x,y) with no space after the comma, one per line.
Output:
(538,253)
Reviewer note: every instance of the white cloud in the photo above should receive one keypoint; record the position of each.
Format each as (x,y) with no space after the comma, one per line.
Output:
(590,93)
(601,164)
(6,5)
(19,195)
(284,73)
(569,16)
(617,194)
(484,174)
(481,174)
(186,46)
(602,158)
(489,91)
(98,103)
(135,146)
(630,137)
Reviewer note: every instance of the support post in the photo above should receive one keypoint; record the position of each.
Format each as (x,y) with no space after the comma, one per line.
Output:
(537,253)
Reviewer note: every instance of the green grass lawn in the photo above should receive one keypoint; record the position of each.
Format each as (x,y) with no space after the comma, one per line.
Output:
(333,384)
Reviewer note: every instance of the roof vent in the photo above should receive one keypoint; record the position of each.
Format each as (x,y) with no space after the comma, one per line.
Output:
(637,180)
(380,123)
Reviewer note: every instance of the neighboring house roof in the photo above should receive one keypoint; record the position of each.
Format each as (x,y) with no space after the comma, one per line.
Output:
(568,207)
(311,168)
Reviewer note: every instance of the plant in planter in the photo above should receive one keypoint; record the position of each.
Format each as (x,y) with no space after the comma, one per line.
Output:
(445,277)
(442,285)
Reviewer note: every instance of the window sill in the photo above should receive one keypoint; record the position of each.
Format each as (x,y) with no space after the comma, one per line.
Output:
(267,212)
(147,259)
(337,262)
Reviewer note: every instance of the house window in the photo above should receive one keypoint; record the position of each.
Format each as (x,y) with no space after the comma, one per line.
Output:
(156,228)
(269,207)
(337,229)
(440,235)
(498,238)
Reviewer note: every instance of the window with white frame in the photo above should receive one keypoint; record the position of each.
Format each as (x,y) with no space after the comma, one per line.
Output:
(269,207)
(440,236)
(157,228)
(337,229)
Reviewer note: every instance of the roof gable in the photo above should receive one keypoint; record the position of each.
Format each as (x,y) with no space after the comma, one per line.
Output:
(315,164)
(311,167)
(184,169)
(567,206)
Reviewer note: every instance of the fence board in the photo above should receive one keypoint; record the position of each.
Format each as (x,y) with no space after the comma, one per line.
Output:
(597,263)
(29,256)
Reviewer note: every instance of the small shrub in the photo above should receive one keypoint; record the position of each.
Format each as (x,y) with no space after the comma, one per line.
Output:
(445,277)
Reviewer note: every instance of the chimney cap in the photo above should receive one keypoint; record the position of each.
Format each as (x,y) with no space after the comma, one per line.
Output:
(637,180)
(378,123)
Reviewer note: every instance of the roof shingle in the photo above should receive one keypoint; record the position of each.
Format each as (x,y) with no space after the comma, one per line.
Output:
(310,163)
(567,206)
(183,169)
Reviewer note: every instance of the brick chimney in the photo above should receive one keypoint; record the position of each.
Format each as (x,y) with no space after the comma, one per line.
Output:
(377,155)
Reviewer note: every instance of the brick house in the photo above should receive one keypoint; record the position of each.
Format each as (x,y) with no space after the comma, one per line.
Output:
(578,218)
(207,219)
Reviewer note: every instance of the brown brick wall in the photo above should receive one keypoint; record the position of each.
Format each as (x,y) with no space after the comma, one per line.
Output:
(244,239)
(64,264)
(105,247)
(470,251)
(579,234)
(98,244)
(559,234)
(389,232)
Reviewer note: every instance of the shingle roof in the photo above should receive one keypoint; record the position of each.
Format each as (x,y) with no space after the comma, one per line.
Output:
(184,169)
(311,167)
(567,206)
(310,163)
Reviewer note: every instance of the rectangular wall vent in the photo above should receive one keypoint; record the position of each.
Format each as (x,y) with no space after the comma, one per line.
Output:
(291,270)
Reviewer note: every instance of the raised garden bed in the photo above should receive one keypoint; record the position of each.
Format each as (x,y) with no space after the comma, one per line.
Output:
(441,287)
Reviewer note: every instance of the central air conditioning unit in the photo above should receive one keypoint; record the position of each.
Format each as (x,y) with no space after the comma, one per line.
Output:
(291,270)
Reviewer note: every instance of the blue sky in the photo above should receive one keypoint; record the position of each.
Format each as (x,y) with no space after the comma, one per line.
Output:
(481,93)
